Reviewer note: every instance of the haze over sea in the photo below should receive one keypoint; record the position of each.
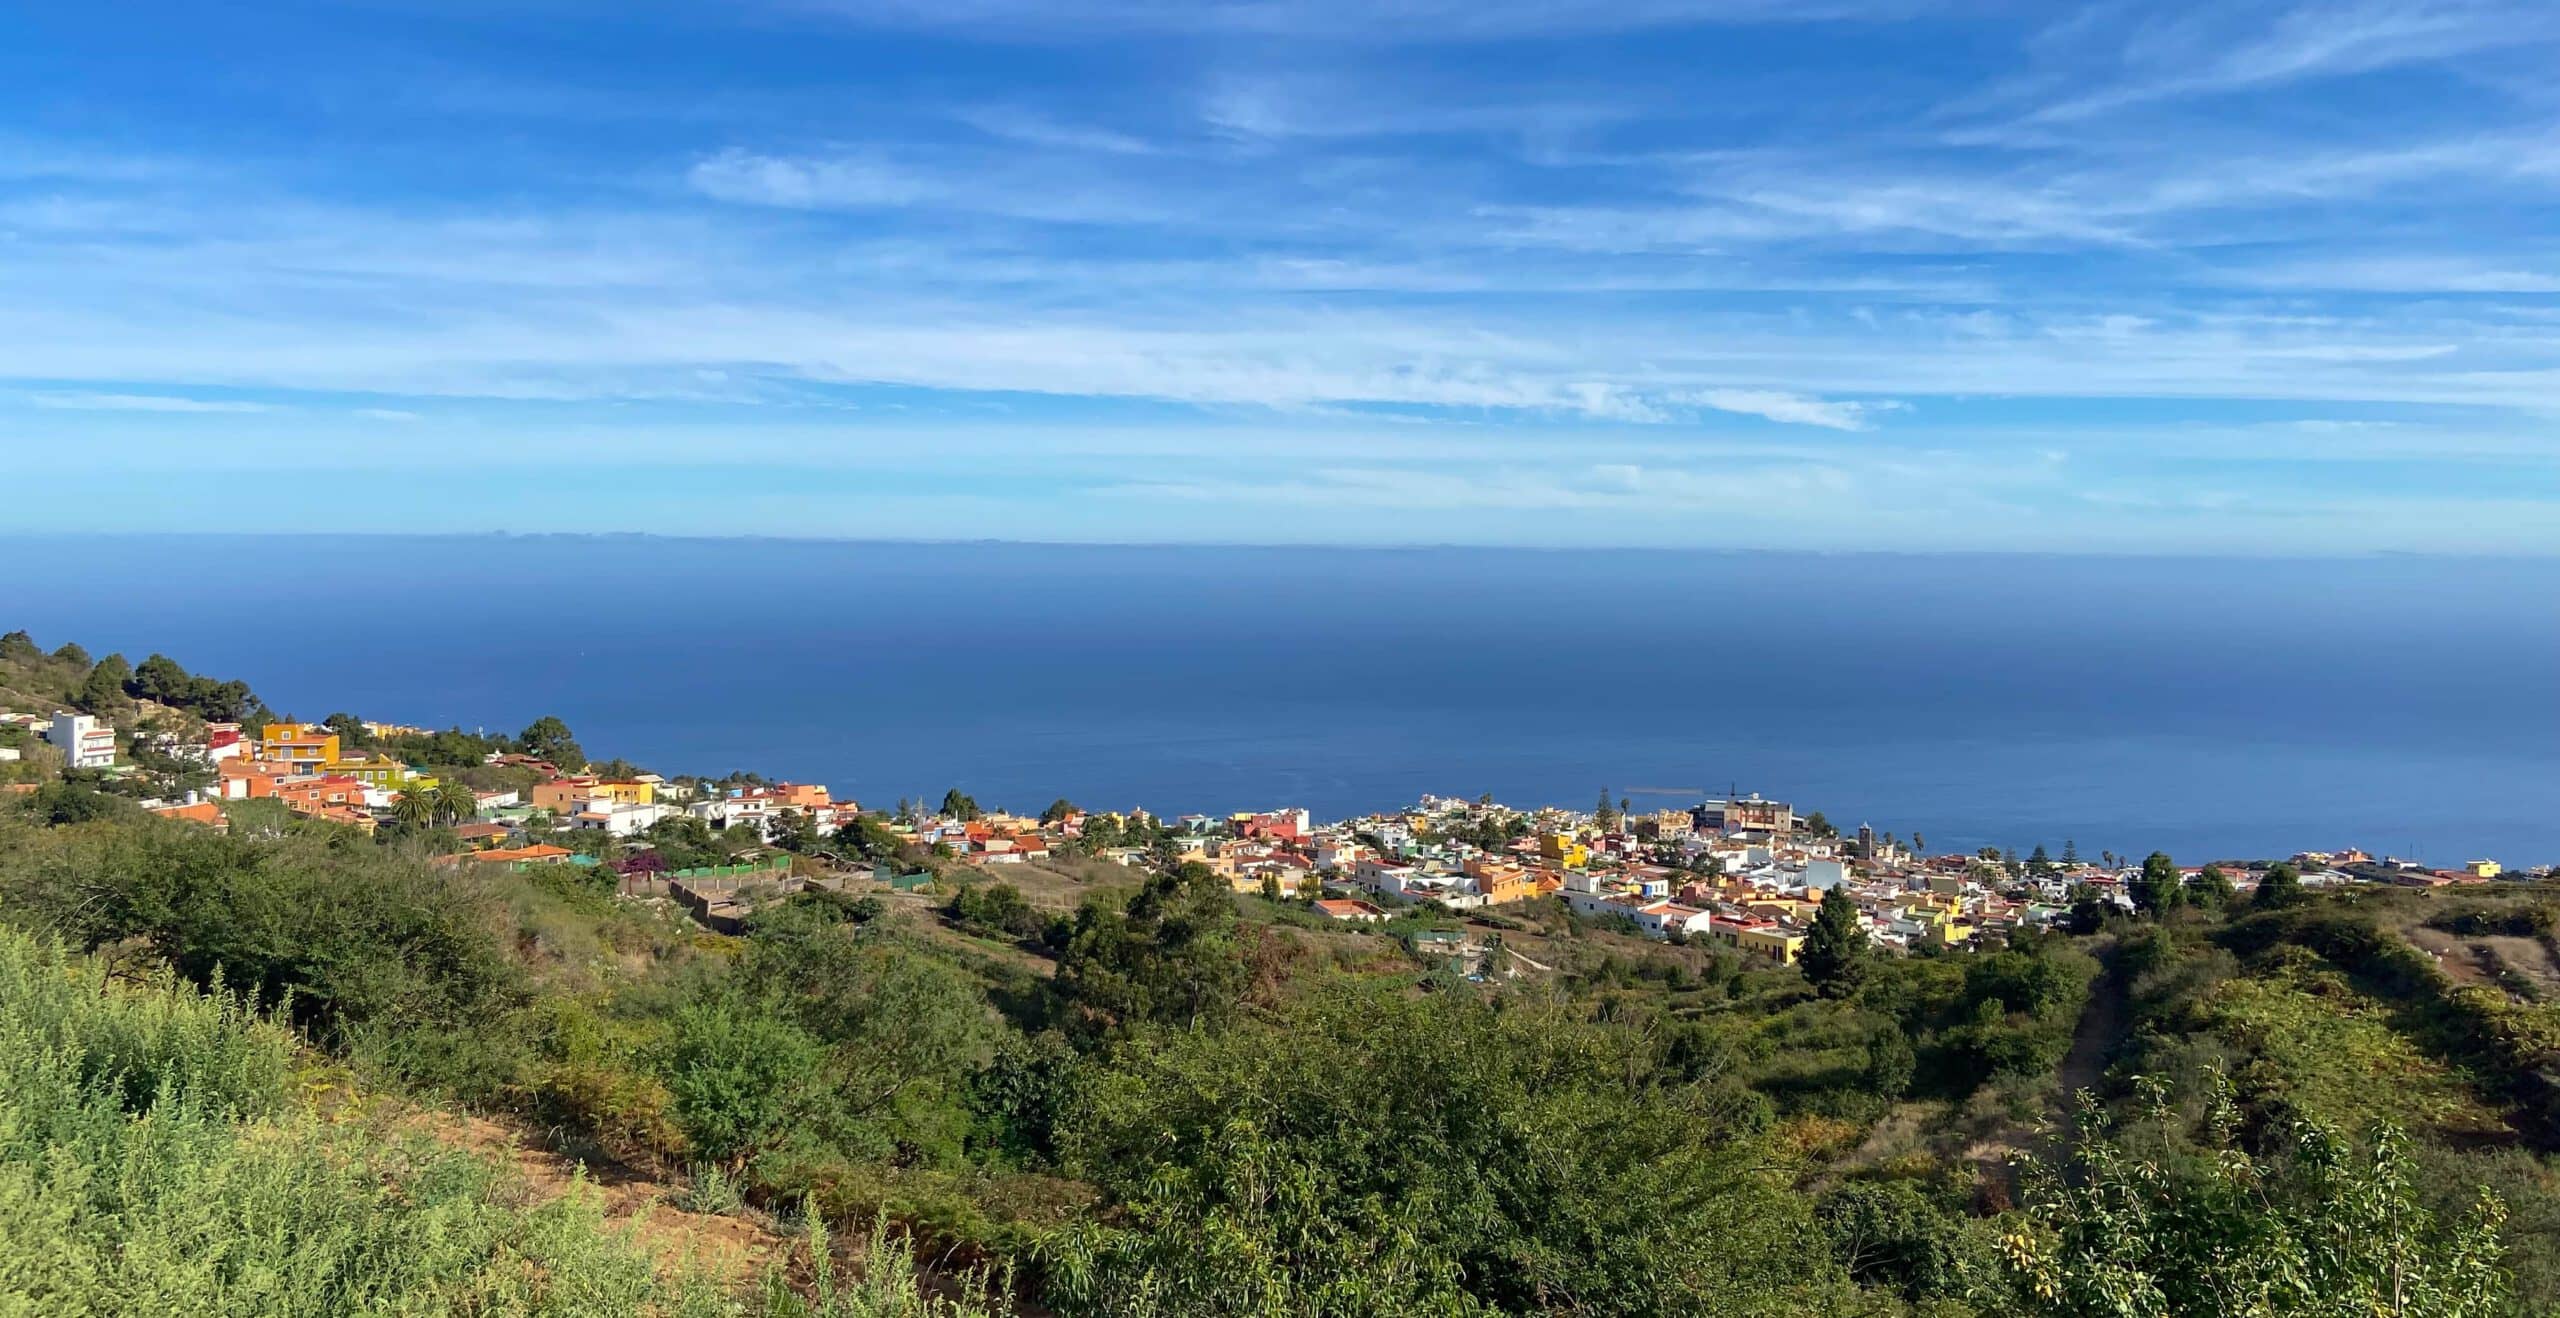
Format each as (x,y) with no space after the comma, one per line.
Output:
(2214,708)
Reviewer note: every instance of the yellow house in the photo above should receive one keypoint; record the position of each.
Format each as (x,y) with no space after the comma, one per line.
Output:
(306,746)
(1781,908)
(630,792)
(377,771)
(2485,869)
(1772,944)
(1941,926)
(1564,849)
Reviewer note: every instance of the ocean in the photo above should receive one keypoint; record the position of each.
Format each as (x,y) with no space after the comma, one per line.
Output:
(2213,708)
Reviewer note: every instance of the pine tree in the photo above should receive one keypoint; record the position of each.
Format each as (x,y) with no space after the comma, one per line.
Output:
(1834,959)
(103,692)
(2159,890)
(2070,853)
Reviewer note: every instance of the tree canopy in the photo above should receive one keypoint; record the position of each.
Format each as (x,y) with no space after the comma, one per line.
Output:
(1835,952)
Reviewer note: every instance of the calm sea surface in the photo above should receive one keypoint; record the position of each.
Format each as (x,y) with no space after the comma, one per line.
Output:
(2211,707)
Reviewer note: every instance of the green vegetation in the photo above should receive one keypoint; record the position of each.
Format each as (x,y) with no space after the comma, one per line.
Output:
(1835,948)
(2314,1224)
(1102,1091)
(158,1156)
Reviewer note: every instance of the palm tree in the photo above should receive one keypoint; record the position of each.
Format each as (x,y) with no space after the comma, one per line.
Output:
(455,803)
(414,808)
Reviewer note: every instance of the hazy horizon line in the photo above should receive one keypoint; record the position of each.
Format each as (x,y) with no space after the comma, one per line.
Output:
(2272,556)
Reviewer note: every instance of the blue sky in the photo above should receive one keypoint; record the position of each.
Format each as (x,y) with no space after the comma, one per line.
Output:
(1833,274)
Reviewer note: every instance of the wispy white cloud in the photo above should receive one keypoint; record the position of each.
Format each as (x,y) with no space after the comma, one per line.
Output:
(1313,228)
(843,182)
(1034,128)
(1795,409)
(103,402)
(2157,54)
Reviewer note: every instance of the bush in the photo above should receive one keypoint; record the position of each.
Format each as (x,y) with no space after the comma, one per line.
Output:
(1374,1153)
(2315,1226)
(190,1211)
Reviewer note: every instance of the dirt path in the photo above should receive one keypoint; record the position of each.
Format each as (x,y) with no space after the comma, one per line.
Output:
(2459,959)
(2101,1031)
(732,1250)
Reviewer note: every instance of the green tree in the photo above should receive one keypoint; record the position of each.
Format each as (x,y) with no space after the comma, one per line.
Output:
(796,832)
(2070,853)
(1891,1062)
(870,840)
(547,738)
(456,804)
(350,730)
(2281,887)
(161,678)
(997,908)
(20,648)
(1362,1154)
(414,809)
(1171,954)
(903,1030)
(2160,889)
(1834,959)
(2210,889)
(739,1077)
(78,803)
(959,805)
(2089,910)
(1059,811)
(1889,1234)
(1819,825)
(2039,863)
(1604,814)
(103,692)
(2317,1227)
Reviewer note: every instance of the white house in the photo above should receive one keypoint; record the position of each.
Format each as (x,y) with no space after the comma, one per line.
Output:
(617,818)
(83,742)
(1382,876)
(1661,918)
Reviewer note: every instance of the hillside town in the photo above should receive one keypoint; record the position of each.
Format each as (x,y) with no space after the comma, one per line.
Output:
(1745,873)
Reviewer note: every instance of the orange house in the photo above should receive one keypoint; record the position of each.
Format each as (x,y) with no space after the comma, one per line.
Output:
(800,796)
(312,795)
(202,812)
(559,794)
(248,782)
(1501,881)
